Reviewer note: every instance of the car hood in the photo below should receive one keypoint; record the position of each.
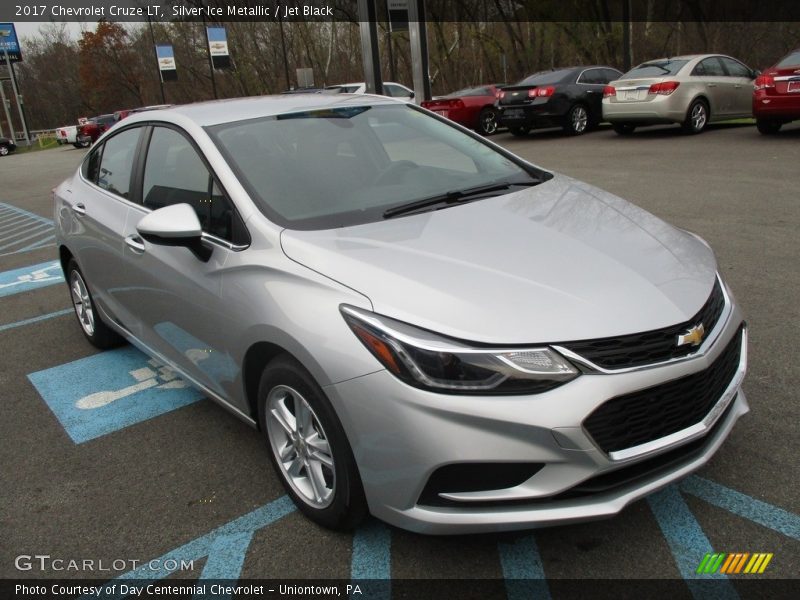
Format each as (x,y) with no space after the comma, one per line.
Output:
(557,262)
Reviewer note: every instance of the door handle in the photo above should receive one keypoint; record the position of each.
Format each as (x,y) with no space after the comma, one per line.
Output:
(135,243)
(738,86)
(712,85)
(79,209)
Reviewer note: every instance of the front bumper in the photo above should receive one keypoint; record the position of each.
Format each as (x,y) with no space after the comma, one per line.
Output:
(401,435)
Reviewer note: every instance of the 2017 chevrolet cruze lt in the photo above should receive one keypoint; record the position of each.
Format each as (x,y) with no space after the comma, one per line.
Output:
(423,325)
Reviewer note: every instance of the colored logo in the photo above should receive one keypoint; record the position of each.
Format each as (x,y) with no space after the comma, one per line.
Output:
(734,563)
(694,336)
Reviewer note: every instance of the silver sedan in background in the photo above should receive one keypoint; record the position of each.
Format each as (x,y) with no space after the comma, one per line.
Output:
(423,325)
(692,91)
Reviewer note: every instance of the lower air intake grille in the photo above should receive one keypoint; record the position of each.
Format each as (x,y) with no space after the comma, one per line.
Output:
(652,413)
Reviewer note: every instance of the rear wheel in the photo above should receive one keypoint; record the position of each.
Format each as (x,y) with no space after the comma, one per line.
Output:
(519,131)
(4,151)
(577,120)
(487,121)
(623,128)
(696,117)
(98,333)
(768,127)
(308,447)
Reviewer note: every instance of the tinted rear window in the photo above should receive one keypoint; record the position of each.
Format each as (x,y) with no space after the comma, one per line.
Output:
(547,77)
(790,61)
(656,68)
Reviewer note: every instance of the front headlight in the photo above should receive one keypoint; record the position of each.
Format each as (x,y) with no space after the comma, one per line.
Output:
(426,360)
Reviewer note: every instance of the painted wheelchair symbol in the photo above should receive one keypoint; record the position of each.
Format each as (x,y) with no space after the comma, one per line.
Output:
(50,273)
(158,376)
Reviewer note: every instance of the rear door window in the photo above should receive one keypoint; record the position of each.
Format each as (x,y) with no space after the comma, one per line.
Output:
(792,60)
(116,163)
(709,67)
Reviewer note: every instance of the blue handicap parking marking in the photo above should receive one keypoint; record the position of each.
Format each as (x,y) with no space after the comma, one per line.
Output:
(107,392)
(225,548)
(523,570)
(30,278)
(22,231)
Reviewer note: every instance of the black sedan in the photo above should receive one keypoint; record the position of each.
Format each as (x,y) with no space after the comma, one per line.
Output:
(570,98)
(7,146)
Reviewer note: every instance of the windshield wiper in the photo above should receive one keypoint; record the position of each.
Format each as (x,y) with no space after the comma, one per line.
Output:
(454,196)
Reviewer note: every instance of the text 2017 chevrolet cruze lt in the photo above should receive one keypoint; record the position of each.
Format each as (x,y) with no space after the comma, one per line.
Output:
(423,325)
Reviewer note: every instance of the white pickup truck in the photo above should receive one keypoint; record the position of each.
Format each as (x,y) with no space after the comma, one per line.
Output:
(69,135)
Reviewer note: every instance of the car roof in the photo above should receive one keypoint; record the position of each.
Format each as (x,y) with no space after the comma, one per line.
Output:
(216,112)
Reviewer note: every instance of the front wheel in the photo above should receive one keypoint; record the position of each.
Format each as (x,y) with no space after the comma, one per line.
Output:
(696,117)
(4,151)
(487,121)
(768,127)
(98,333)
(308,447)
(577,120)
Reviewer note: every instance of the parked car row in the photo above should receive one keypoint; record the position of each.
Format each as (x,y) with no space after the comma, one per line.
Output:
(691,90)
(86,132)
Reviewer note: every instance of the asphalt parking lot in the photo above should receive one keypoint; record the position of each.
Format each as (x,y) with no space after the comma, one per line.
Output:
(166,475)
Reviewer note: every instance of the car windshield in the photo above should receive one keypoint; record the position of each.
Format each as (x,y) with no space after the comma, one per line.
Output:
(546,77)
(790,61)
(655,68)
(343,166)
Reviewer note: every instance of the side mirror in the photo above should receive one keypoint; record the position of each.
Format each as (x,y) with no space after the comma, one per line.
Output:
(175,225)
(412,95)
(756,73)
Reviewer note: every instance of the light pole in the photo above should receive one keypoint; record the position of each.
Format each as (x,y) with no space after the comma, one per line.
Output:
(5,33)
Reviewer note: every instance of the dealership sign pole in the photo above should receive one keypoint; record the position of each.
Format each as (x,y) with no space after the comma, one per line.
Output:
(8,39)
(161,66)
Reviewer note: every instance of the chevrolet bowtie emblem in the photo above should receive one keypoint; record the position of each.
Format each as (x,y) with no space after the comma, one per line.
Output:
(694,336)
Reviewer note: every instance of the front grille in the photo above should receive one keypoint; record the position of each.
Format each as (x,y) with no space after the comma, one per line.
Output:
(655,412)
(649,347)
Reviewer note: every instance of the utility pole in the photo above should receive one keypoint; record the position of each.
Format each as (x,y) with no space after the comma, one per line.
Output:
(285,59)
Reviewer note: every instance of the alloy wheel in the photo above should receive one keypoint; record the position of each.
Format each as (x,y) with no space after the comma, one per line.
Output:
(3,150)
(82,302)
(698,116)
(579,119)
(488,122)
(300,446)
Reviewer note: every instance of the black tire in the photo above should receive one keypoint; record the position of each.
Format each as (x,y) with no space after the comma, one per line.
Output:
(94,329)
(348,506)
(768,127)
(623,128)
(697,117)
(519,131)
(82,144)
(4,150)
(577,120)
(487,121)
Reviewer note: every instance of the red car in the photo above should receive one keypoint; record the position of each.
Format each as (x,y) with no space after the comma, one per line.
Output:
(471,107)
(92,129)
(776,98)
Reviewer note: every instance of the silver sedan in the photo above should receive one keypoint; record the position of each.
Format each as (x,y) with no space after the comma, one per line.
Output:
(421,324)
(690,90)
